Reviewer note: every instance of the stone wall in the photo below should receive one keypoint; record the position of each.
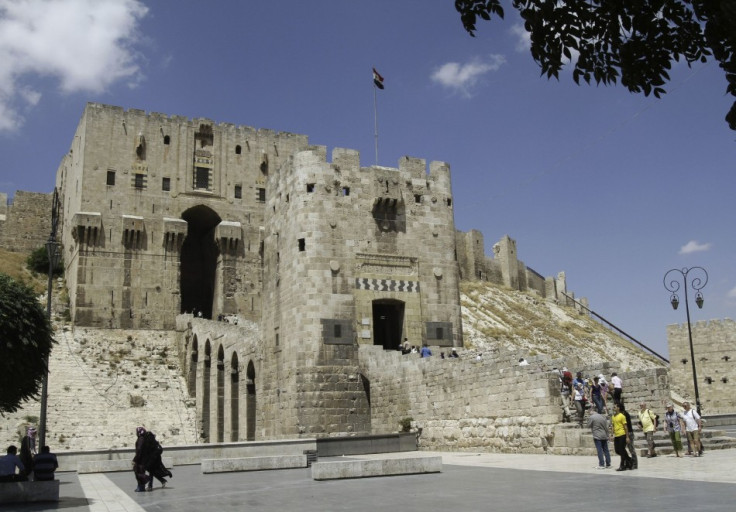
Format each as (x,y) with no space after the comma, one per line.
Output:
(103,384)
(714,345)
(26,223)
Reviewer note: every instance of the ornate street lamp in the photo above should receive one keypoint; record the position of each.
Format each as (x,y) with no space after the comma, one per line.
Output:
(53,251)
(697,281)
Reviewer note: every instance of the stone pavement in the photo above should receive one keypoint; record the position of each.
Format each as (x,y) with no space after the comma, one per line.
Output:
(468,482)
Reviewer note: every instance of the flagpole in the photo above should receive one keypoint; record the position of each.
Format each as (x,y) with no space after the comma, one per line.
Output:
(375,121)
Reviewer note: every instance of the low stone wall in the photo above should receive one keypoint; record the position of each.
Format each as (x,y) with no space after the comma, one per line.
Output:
(373,468)
(254,463)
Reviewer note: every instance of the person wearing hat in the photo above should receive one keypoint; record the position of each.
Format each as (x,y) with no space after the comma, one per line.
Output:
(673,425)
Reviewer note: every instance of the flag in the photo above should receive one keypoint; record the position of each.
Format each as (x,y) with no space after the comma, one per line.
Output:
(377,79)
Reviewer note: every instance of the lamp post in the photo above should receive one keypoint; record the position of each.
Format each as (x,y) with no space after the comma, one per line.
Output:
(53,251)
(697,281)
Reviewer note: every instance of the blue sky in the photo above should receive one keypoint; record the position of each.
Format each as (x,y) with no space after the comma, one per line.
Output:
(610,187)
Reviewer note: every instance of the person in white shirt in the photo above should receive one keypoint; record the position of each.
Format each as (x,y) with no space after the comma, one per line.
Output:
(618,385)
(693,426)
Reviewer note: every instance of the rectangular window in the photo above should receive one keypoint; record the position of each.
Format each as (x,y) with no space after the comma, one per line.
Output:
(302,245)
(202,178)
(111,178)
(346,191)
(138,181)
(261,195)
(166,184)
(417,198)
(238,192)
(310,187)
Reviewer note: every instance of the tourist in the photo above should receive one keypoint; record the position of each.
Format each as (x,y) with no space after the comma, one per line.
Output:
(672,425)
(425,352)
(630,442)
(618,385)
(566,381)
(44,465)
(579,380)
(479,357)
(8,464)
(577,401)
(647,421)
(453,353)
(598,425)
(604,391)
(693,426)
(596,395)
(620,437)
(523,362)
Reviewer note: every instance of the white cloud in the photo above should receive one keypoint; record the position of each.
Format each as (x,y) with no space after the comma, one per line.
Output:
(523,38)
(87,45)
(732,293)
(462,77)
(694,246)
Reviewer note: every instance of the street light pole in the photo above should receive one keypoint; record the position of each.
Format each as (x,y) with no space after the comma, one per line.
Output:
(54,253)
(697,282)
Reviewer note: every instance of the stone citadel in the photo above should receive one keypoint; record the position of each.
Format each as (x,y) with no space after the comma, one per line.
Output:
(171,224)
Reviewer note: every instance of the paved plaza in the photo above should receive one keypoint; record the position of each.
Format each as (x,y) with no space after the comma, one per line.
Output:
(468,482)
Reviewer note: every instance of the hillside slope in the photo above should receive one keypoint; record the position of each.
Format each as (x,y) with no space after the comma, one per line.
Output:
(499,319)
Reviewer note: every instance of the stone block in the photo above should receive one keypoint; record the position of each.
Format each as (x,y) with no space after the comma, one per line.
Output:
(109,466)
(254,463)
(23,492)
(372,468)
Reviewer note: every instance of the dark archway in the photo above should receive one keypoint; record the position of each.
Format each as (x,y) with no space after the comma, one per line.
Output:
(388,323)
(220,395)
(192,378)
(206,394)
(234,399)
(199,261)
(250,403)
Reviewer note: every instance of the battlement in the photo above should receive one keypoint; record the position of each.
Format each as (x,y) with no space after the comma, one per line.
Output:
(100,109)
(712,324)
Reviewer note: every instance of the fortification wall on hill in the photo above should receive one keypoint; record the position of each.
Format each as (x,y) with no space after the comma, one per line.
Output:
(714,346)
(103,383)
(26,223)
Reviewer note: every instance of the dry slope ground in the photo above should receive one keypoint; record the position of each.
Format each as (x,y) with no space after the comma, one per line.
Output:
(499,319)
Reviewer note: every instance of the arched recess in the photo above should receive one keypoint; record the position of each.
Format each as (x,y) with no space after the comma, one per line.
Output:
(220,395)
(206,394)
(250,403)
(199,261)
(234,398)
(388,323)
(192,376)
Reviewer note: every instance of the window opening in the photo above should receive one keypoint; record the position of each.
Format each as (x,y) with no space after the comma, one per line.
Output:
(167,140)
(346,191)
(138,181)
(262,195)
(238,191)
(202,178)
(417,198)
(310,187)
(238,149)
(166,184)
(302,245)
(111,178)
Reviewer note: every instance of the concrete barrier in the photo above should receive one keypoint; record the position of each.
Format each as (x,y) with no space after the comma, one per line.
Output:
(24,492)
(254,463)
(109,466)
(378,467)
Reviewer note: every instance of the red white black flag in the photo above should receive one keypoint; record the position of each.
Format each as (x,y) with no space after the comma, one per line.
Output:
(377,79)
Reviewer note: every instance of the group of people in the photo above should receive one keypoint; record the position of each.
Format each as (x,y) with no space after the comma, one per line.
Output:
(424,351)
(30,464)
(584,393)
(147,463)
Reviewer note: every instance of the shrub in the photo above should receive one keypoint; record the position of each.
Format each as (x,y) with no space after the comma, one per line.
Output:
(38,261)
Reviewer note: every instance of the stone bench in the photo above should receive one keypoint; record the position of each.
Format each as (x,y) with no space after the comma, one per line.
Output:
(23,492)
(108,466)
(254,463)
(378,467)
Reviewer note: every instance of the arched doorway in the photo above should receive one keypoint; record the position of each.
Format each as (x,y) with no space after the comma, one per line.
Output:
(388,323)
(220,395)
(199,261)
(206,394)
(192,377)
(250,403)
(234,397)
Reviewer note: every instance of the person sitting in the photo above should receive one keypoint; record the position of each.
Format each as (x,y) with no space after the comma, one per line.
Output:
(8,464)
(44,464)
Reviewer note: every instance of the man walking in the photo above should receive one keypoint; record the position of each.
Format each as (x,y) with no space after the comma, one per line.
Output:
(693,426)
(598,425)
(618,386)
(647,420)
